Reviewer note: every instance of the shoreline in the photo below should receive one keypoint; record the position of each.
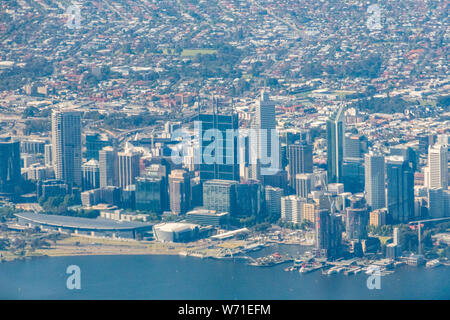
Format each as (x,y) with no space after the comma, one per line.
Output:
(87,254)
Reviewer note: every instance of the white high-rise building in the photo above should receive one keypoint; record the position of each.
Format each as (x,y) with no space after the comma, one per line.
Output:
(396,236)
(375,181)
(264,122)
(291,209)
(437,173)
(304,184)
(66,140)
(90,175)
(128,164)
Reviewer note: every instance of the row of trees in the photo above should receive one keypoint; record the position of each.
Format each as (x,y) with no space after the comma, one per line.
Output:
(60,205)
(409,242)
(17,77)
(369,67)
(382,105)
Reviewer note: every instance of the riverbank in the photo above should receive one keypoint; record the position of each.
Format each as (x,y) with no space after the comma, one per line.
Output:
(95,246)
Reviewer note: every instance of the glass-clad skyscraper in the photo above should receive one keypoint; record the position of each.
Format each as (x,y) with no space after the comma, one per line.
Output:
(9,166)
(335,146)
(400,189)
(225,165)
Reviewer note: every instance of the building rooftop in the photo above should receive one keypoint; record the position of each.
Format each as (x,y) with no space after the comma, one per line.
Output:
(207,212)
(81,223)
(175,226)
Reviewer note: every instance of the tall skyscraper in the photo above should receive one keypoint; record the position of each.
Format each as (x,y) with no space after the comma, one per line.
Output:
(9,166)
(375,181)
(66,137)
(335,146)
(300,161)
(438,167)
(408,153)
(160,170)
(179,189)
(128,164)
(400,189)
(264,122)
(223,167)
(328,233)
(109,170)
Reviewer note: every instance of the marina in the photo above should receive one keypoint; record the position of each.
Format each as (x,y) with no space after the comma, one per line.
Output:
(270,260)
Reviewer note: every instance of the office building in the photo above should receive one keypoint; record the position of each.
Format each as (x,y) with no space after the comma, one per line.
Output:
(220,195)
(437,173)
(304,184)
(264,122)
(129,169)
(436,203)
(207,217)
(354,146)
(94,143)
(249,198)
(66,137)
(277,180)
(408,153)
(225,165)
(273,202)
(51,188)
(335,146)
(9,167)
(291,209)
(179,190)
(353,175)
(109,170)
(38,172)
(378,217)
(300,161)
(400,189)
(328,233)
(375,181)
(150,194)
(308,211)
(90,175)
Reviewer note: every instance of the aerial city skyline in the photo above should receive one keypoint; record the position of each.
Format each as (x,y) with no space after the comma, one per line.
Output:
(215,129)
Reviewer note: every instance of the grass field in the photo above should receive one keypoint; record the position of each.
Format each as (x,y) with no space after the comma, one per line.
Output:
(343,93)
(194,52)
